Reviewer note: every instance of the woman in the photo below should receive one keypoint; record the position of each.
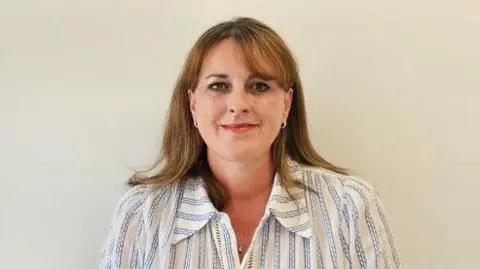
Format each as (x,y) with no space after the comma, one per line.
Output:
(240,185)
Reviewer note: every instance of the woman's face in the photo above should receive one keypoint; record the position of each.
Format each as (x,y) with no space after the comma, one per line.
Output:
(238,114)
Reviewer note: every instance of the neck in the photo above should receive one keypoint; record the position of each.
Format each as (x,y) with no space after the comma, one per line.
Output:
(242,181)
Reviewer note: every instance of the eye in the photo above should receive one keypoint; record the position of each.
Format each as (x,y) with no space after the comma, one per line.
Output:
(260,86)
(218,86)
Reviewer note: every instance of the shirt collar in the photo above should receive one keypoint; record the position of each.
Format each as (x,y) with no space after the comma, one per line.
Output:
(290,208)
(195,209)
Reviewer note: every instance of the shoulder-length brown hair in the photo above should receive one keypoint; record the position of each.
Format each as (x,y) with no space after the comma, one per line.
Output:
(183,152)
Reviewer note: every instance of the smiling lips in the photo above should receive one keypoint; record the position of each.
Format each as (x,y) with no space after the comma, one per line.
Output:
(238,127)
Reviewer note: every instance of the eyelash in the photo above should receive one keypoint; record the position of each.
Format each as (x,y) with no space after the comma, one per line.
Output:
(222,86)
(264,85)
(215,86)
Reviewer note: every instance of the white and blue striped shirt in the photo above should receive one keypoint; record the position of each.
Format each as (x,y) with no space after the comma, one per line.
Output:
(342,225)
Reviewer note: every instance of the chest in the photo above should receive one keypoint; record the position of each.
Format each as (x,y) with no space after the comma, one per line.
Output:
(244,225)
(272,246)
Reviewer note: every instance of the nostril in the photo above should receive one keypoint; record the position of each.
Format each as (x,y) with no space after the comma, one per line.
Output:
(245,110)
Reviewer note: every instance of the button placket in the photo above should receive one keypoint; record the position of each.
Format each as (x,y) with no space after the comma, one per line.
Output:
(216,231)
(220,226)
(249,257)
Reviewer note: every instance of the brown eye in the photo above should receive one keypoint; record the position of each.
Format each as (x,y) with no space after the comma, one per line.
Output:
(260,87)
(218,86)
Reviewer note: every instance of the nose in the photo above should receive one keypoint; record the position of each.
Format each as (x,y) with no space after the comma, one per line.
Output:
(238,102)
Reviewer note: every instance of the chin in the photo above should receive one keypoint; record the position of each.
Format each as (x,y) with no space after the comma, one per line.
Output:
(239,155)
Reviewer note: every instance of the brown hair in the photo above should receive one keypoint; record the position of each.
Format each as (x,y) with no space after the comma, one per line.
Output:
(183,152)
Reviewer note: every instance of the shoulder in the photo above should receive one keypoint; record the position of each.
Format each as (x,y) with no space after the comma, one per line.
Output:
(344,187)
(135,222)
(365,228)
(145,203)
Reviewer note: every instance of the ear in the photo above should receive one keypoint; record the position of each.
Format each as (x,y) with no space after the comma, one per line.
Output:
(191,99)
(288,102)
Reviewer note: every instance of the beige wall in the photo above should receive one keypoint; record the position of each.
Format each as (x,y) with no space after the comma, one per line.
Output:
(393,92)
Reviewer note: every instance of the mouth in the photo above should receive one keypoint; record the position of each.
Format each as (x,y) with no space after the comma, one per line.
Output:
(239,127)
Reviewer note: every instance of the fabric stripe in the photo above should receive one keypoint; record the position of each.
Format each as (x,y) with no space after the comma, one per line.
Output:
(277,250)
(123,231)
(228,248)
(334,194)
(327,223)
(173,251)
(155,203)
(153,251)
(291,251)
(265,235)
(188,256)
(307,256)
(371,226)
(345,248)
(201,247)
(389,234)
(135,249)
(358,243)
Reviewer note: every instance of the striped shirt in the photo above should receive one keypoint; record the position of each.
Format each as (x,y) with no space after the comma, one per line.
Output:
(340,225)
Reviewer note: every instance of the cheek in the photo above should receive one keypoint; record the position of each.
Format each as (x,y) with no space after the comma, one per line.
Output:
(208,109)
(271,111)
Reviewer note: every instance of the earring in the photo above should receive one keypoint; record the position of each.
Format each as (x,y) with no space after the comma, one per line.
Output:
(284,124)
(195,123)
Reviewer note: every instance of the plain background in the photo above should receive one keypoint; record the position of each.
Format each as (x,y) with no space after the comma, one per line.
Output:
(393,92)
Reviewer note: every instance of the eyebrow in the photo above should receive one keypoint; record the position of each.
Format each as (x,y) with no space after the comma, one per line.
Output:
(224,76)
(217,76)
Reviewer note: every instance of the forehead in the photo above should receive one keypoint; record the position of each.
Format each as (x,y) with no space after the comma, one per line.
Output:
(229,56)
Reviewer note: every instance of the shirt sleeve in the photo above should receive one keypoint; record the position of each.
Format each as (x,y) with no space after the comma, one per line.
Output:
(371,242)
(125,243)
